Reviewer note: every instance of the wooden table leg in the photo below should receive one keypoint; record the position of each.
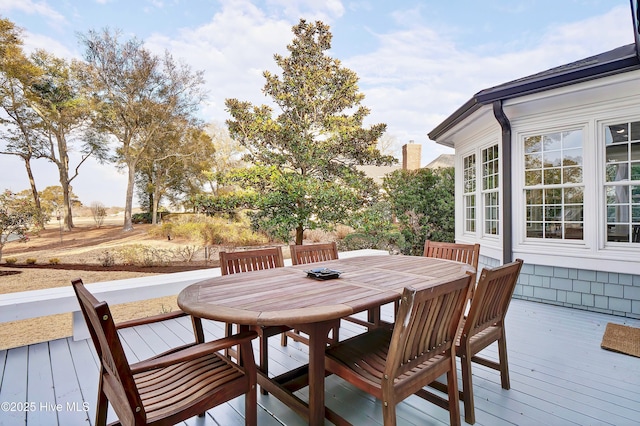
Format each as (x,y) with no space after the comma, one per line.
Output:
(318,335)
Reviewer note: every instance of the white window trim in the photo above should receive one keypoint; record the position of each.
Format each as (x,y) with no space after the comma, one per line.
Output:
(519,200)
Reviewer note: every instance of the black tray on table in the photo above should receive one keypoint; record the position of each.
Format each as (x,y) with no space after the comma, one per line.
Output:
(323,274)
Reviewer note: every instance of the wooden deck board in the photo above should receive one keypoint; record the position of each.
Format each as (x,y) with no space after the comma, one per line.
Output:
(559,376)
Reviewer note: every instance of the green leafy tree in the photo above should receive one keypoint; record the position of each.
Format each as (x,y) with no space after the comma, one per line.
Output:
(423,202)
(17,215)
(59,100)
(139,95)
(19,123)
(174,167)
(306,156)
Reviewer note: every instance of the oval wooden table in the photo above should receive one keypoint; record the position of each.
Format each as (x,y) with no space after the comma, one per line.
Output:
(286,296)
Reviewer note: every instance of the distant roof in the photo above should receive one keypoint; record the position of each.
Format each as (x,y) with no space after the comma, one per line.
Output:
(622,59)
(443,161)
(377,173)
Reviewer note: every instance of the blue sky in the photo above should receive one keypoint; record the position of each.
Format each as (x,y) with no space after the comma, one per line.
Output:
(417,61)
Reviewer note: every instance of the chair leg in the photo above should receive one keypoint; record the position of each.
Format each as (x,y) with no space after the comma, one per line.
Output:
(264,358)
(389,413)
(283,339)
(251,407)
(228,331)
(197,329)
(101,409)
(452,392)
(504,362)
(467,389)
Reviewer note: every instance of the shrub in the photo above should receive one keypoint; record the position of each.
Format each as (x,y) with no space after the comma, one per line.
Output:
(30,261)
(54,261)
(187,253)
(99,212)
(141,218)
(11,260)
(141,255)
(107,259)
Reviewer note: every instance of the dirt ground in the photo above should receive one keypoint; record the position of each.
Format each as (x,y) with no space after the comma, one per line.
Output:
(79,255)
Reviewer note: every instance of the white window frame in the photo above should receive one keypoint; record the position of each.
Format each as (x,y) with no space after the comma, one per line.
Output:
(479,192)
(603,184)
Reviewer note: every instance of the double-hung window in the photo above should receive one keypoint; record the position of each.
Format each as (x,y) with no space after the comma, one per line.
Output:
(491,189)
(554,185)
(622,182)
(469,196)
(481,191)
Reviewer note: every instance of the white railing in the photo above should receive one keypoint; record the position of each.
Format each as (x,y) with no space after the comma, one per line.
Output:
(60,300)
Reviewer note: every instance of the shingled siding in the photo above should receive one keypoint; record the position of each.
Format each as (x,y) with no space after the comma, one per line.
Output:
(605,292)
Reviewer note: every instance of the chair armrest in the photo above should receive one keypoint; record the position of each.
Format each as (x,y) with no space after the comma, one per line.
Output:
(193,352)
(151,319)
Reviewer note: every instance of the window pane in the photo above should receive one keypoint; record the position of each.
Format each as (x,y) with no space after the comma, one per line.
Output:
(551,142)
(552,176)
(635,171)
(533,196)
(616,133)
(573,214)
(572,139)
(572,157)
(617,153)
(572,175)
(618,233)
(534,213)
(532,144)
(553,196)
(533,161)
(617,172)
(574,231)
(534,230)
(553,230)
(635,194)
(635,151)
(635,131)
(574,195)
(533,178)
(552,159)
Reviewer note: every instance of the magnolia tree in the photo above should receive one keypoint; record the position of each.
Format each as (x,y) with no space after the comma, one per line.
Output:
(17,215)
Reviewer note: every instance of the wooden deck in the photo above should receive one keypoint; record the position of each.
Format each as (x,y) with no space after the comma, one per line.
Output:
(559,376)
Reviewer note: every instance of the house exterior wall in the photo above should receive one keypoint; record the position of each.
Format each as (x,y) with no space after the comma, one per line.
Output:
(586,289)
(587,273)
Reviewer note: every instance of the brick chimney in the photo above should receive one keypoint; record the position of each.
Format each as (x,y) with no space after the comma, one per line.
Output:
(411,154)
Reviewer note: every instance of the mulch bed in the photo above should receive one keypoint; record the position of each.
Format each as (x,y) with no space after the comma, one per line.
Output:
(166,269)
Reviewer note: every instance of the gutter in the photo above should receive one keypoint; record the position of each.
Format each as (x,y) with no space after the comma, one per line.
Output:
(507,183)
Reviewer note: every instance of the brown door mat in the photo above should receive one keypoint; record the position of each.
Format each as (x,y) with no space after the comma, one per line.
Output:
(622,338)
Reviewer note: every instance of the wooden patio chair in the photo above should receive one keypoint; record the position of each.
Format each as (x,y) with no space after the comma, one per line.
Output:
(247,261)
(302,255)
(392,364)
(171,387)
(467,253)
(483,325)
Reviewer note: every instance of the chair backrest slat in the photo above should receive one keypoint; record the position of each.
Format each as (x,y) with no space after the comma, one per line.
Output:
(466,253)
(113,360)
(313,253)
(426,324)
(492,296)
(250,260)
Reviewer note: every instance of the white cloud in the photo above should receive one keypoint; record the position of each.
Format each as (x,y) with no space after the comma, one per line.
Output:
(233,49)
(34,7)
(417,77)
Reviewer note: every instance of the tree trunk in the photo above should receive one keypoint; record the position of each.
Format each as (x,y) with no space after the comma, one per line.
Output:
(299,234)
(128,224)
(154,198)
(34,193)
(63,172)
